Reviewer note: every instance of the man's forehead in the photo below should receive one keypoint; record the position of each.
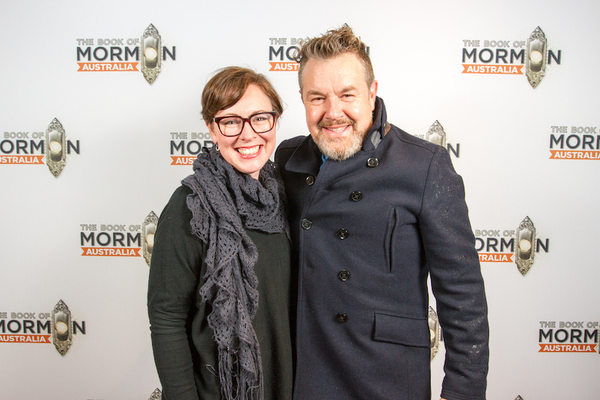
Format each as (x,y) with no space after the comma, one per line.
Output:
(322,90)
(345,68)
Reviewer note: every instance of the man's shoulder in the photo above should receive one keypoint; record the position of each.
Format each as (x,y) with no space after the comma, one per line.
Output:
(286,149)
(291,143)
(409,139)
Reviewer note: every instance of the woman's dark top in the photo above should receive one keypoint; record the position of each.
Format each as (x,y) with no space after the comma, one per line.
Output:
(185,352)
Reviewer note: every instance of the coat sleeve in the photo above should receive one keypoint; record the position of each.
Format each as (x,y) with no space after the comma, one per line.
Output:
(172,287)
(456,281)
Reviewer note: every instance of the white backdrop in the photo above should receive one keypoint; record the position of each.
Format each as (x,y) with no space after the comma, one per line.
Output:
(121,132)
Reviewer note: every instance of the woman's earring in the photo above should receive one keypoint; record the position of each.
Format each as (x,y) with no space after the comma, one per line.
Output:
(217,147)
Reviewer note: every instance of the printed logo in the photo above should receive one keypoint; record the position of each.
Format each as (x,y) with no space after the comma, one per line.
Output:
(185,146)
(574,143)
(55,144)
(144,54)
(38,148)
(104,240)
(282,54)
(436,134)
(148,231)
(435,332)
(505,57)
(568,337)
(506,246)
(56,327)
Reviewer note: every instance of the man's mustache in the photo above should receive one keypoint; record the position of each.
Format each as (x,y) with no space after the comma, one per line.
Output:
(344,121)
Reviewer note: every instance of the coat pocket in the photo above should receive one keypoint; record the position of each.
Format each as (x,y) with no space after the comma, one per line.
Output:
(402,245)
(401,330)
(387,242)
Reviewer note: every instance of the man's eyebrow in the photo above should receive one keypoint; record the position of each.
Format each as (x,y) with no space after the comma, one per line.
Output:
(348,88)
(314,92)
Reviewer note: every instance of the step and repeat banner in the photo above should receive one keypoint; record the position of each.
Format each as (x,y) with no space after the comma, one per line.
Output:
(100,120)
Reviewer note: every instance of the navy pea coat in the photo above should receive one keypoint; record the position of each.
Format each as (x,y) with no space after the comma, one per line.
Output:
(367,232)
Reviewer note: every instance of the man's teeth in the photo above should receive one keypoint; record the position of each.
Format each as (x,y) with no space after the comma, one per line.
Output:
(248,150)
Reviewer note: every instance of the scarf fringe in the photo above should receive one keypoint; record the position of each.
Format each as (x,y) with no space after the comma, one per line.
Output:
(240,383)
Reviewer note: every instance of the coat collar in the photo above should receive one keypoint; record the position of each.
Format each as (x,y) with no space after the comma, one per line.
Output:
(376,133)
(307,156)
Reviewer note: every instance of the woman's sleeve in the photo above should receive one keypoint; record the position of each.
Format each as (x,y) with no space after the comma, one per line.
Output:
(172,290)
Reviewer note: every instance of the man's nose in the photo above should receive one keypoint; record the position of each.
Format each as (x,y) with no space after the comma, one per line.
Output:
(333,108)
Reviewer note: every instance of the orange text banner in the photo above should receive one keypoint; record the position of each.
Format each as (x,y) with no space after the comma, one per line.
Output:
(182,160)
(495,257)
(493,69)
(574,155)
(567,348)
(111,251)
(29,160)
(24,338)
(108,67)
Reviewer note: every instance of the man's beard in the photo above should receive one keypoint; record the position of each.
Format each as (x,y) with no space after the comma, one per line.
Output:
(339,149)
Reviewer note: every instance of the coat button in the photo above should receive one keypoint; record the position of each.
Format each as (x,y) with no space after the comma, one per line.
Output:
(343,233)
(341,318)
(310,180)
(344,275)
(306,224)
(356,196)
(372,162)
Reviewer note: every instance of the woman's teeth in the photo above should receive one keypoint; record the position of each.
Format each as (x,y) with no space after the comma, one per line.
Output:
(246,151)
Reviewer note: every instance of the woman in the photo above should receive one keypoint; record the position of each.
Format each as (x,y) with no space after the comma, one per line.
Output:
(220,287)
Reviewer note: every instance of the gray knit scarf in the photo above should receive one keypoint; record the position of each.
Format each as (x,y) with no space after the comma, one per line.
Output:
(224,202)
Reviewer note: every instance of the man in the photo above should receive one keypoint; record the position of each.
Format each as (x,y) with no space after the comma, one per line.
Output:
(374,212)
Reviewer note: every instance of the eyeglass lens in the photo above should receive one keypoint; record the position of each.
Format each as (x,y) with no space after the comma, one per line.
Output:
(232,126)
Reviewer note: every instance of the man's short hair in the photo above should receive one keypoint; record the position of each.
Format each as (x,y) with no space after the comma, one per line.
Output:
(334,43)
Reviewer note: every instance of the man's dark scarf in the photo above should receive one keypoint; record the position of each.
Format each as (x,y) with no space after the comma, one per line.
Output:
(224,202)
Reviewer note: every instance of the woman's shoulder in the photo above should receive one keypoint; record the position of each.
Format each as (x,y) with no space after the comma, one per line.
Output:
(179,197)
(176,211)
(181,193)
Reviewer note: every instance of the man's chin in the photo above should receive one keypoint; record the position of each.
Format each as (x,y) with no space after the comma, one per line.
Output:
(340,152)
(339,149)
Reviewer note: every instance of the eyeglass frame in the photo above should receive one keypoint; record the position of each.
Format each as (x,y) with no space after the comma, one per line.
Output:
(274,114)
